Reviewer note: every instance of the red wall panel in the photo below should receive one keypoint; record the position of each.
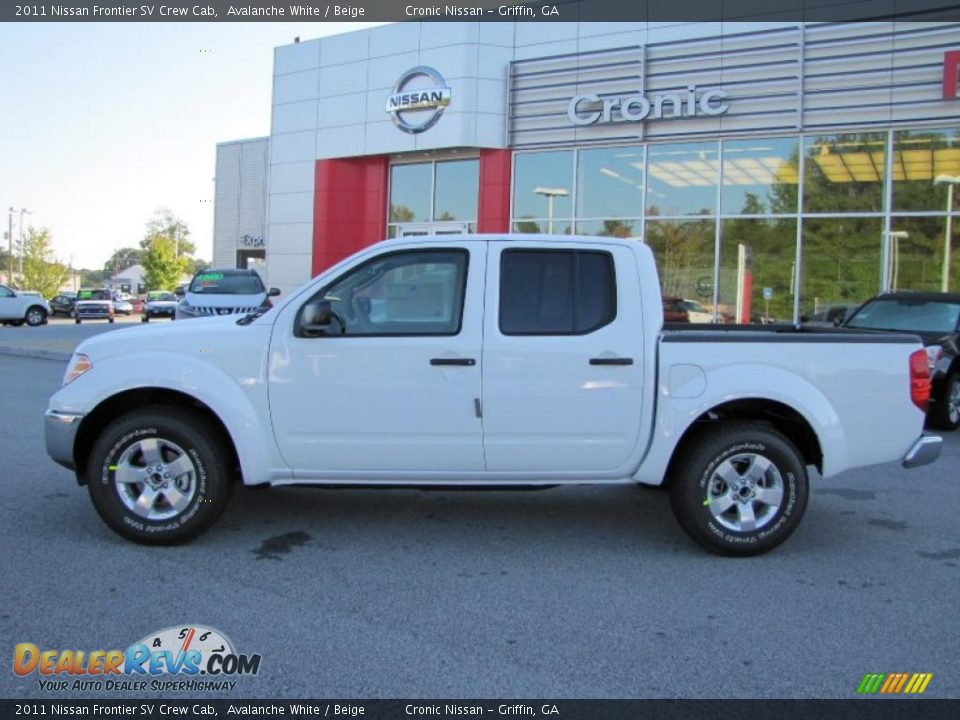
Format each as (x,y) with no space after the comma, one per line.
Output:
(349,207)
(493,214)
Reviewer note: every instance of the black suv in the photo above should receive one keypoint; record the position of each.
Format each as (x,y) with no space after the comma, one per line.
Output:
(62,304)
(935,317)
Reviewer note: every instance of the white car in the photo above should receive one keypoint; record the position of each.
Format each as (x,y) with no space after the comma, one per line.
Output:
(158,304)
(224,292)
(23,306)
(505,360)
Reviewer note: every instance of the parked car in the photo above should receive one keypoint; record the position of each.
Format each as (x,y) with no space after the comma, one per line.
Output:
(674,311)
(121,304)
(832,314)
(371,374)
(935,318)
(62,304)
(159,303)
(224,292)
(93,304)
(19,306)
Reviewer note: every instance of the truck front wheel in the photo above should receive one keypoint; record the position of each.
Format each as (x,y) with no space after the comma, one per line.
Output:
(158,476)
(740,488)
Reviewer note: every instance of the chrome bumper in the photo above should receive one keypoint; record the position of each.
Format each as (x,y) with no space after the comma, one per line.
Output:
(61,432)
(924,451)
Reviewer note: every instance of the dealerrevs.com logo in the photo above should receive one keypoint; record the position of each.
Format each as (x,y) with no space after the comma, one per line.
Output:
(184,657)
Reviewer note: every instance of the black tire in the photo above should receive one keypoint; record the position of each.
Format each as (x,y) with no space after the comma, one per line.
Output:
(35,316)
(943,415)
(694,483)
(179,428)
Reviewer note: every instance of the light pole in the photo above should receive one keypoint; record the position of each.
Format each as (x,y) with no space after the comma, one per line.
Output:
(10,240)
(550,194)
(893,271)
(949,181)
(23,211)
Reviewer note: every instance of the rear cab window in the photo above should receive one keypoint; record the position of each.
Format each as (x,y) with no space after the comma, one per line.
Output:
(556,292)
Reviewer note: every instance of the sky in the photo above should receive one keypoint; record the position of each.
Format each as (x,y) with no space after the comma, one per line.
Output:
(103,123)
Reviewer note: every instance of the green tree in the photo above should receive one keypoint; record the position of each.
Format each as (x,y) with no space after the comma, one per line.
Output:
(122,259)
(93,278)
(162,268)
(41,270)
(167,225)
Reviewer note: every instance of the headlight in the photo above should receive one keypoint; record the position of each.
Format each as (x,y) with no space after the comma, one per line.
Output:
(933,355)
(79,364)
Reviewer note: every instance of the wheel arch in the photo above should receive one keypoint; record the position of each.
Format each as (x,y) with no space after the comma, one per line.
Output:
(783,418)
(128,400)
(35,306)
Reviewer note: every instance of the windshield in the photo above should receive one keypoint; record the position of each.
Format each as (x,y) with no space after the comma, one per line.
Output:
(907,315)
(217,283)
(94,295)
(161,297)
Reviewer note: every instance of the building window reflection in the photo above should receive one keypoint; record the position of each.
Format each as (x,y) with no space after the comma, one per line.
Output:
(434,193)
(831,187)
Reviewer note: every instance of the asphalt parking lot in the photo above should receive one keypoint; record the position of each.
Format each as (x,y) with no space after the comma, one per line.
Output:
(570,592)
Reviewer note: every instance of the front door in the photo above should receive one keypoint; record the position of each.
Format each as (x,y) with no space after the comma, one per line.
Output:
(9,305)
(393,385)
(562,358)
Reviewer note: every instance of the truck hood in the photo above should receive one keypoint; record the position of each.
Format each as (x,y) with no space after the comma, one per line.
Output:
(202,335)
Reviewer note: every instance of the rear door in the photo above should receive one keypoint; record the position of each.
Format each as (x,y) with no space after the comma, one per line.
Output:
(562,357)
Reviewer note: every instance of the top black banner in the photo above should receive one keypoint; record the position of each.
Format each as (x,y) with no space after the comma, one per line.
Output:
(481,10)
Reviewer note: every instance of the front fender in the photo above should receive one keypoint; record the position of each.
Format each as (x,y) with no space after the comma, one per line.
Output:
(240,403)
(744,382)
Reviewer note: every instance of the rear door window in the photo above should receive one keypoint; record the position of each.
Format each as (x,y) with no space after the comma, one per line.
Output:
(556,292)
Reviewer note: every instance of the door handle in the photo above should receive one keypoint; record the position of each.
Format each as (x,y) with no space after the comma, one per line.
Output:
(453,361)
(611,361)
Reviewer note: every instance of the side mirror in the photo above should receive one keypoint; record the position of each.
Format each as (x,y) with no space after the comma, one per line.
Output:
(180,292)
(316,316)
(838,321)
(273,292)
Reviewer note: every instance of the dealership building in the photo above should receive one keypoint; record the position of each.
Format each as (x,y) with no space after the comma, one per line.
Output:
(776,170)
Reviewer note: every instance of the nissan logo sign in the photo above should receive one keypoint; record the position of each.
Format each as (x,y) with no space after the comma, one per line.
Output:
(418,108)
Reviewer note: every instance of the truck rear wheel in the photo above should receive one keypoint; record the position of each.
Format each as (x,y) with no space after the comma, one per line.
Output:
(158,476)
(740,488)
(946,413)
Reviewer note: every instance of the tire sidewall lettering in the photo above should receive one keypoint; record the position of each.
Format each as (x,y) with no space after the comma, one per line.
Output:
(784,512)
(140,524)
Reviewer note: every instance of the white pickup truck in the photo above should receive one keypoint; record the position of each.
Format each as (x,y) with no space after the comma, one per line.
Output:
(19,307)
(484,361)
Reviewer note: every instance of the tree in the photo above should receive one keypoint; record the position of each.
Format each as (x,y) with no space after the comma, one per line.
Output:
(122,259)
(167,225)
(162,268)
(41,270)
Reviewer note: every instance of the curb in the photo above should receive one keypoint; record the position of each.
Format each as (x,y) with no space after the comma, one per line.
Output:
(37,353)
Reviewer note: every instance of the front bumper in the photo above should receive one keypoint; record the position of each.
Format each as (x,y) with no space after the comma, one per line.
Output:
(923,452)
(61,431)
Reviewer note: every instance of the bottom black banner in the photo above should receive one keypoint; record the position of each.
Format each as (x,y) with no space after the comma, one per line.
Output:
(854,709)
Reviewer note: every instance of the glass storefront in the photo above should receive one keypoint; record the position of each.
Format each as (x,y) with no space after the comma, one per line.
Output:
(724,217)
(436,194)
